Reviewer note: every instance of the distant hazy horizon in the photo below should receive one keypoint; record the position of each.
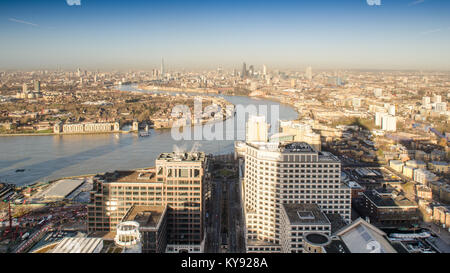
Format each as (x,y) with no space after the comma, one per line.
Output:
(202,34)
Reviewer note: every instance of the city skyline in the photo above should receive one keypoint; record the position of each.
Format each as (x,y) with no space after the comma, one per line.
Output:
(204,34)
(224,127)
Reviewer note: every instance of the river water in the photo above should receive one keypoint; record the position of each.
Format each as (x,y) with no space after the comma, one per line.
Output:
(46,158)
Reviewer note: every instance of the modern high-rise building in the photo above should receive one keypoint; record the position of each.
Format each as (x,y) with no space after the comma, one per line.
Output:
(244,70)
(163,68)
(379,118)
(178,181)
(257,129)
(294,173)
(251,71)
(437,98)
(37,86)
(389,123)
(291,131)
(441,107)
(264,70)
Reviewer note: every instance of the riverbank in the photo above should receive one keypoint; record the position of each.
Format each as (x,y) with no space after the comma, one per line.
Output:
(176,89)
(65,134)
(49,158)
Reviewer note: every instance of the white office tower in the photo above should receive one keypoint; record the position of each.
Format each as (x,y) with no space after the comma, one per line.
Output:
(389,123)
(291,131)
(309,73)
(291,173)
(379,118)
(128,237)
(264,70)
(426,101)
(163,68)
(257,129)
(437,99)
(441,107)
(378,92)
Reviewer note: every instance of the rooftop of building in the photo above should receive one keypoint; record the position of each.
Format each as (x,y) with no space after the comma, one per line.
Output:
(317,239)
(336,246)
(132,176)
(62,188)
(389,200)
(387,190)
(294,148)
(440,163)
(297,147)
(79,245)
(182,156)
(359,235)
(336,220)
(146,216)
(305,214)
(415,162)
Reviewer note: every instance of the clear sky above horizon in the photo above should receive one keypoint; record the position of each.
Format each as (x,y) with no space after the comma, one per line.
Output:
(197,34)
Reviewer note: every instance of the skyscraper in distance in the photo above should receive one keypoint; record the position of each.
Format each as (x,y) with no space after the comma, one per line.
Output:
(244,70)
(162,68)
(37,86)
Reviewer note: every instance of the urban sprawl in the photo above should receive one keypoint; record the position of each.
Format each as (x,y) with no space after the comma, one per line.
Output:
(363,168)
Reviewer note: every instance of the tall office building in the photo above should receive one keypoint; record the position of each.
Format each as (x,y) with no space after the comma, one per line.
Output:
(178,181)
(389,123)
(291,131)
(278,174)
(244,70)
(163,71)
(264,70)
(251,71)
(24,88)
(37,86)
(379,118)
(437,99)
(257,129)
(441,107)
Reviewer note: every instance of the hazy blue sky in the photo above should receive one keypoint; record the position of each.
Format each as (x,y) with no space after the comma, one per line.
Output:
(399,34)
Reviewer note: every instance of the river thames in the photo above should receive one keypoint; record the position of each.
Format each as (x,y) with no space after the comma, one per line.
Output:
(46,158)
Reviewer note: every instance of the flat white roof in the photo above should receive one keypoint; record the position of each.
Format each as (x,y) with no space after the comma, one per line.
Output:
(79,245)
(62,188)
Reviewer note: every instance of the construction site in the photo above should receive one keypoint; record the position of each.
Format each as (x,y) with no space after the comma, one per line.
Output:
(29,214)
